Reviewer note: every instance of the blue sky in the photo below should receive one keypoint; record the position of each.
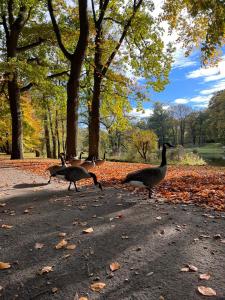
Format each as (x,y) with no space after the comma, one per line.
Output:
(190,84)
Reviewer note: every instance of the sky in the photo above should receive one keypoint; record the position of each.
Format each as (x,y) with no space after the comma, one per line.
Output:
(190,84)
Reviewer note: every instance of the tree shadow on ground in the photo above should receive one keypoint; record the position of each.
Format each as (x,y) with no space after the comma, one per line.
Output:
(28,185)
(125,230)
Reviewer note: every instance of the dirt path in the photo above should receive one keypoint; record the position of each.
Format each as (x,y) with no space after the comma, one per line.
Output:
(151,241)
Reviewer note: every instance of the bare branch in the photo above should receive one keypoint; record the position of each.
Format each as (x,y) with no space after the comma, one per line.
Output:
(93,11)
(57,31)
(126,27)
(30,46)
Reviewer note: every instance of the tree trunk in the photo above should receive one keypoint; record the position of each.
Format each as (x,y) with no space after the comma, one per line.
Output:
(47,138)
(53,134)
(57,131)
(94,118)
(63,135)
(17,120)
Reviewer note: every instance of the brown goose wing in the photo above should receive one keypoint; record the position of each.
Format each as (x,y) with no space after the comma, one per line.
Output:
(149,176)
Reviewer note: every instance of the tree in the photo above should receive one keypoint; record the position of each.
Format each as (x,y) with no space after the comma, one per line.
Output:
(158,122)
(198,23)
(216,116)
(144,141)
(75,60)
(135,28)
(15,17)
(180,112)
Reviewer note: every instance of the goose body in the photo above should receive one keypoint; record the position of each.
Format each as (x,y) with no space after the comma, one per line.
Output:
(100,162)
(74,174)
(55,168)
(77,161)
(149,177)
(88,164)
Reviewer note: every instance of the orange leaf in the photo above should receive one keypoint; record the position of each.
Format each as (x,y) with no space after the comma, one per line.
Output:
(114,266)
(71,247)
(88,230)
(97,286)
(61,244)
(206,291)
(204,276)
(4,265)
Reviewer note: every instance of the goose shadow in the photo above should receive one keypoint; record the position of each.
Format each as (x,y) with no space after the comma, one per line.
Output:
(29,185)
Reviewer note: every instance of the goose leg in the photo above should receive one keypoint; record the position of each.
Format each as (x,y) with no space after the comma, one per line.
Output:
(50,179)
(69,186)
(76,186)
(150,193)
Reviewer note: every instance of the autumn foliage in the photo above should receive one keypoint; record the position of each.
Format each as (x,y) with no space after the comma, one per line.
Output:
(202,185)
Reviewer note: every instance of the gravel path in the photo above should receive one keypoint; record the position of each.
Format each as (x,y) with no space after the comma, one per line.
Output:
(150,240)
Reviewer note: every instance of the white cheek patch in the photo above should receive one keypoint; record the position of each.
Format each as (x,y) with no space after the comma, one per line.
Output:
(137,183)
(62,177)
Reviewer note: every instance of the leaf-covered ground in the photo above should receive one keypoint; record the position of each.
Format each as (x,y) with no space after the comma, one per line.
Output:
(202,185)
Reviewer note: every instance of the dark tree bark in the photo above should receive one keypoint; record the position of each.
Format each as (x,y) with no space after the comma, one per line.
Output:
(100,71)
(47,138)
(54,155)
(13,27)
(57,131)
(76,60)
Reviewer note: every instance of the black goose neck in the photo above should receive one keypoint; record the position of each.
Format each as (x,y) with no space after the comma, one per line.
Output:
(164,162)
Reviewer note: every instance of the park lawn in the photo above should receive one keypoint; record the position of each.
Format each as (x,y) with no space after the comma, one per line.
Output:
(201,185)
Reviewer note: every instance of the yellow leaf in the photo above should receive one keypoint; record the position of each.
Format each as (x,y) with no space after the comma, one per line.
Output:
(71,247)
(206,291)
(6,226)
(97,286)
(114,266)
(88,230)
(83,298)
(61,244)
(46,269)
(204,276)
(4,265)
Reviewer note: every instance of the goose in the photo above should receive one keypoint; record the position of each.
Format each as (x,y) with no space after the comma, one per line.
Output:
(100,162)
(77,161)
(53,169)
(149,177)
(88,164)
(74,174)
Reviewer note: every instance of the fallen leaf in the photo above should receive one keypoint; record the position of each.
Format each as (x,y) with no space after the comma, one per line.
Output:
(206,291)
(26,211)
(61,244)
(6,226)
(114,266)
(97,286)
(54,290)
(192,268)
(38,246)
(88,230)
(71,247)
(62,234)
(1,288)
(66,256)
(4,265)
(83,298)
(185,269)
(204,276)
(159,218)
(223,241)
(2,204)
(46,269)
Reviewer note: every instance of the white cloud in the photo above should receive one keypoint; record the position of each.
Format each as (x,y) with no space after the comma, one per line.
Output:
(218,86)
(181,101)
(180,61)
(200,99)
(209,73)
(201,105)
(141,114)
